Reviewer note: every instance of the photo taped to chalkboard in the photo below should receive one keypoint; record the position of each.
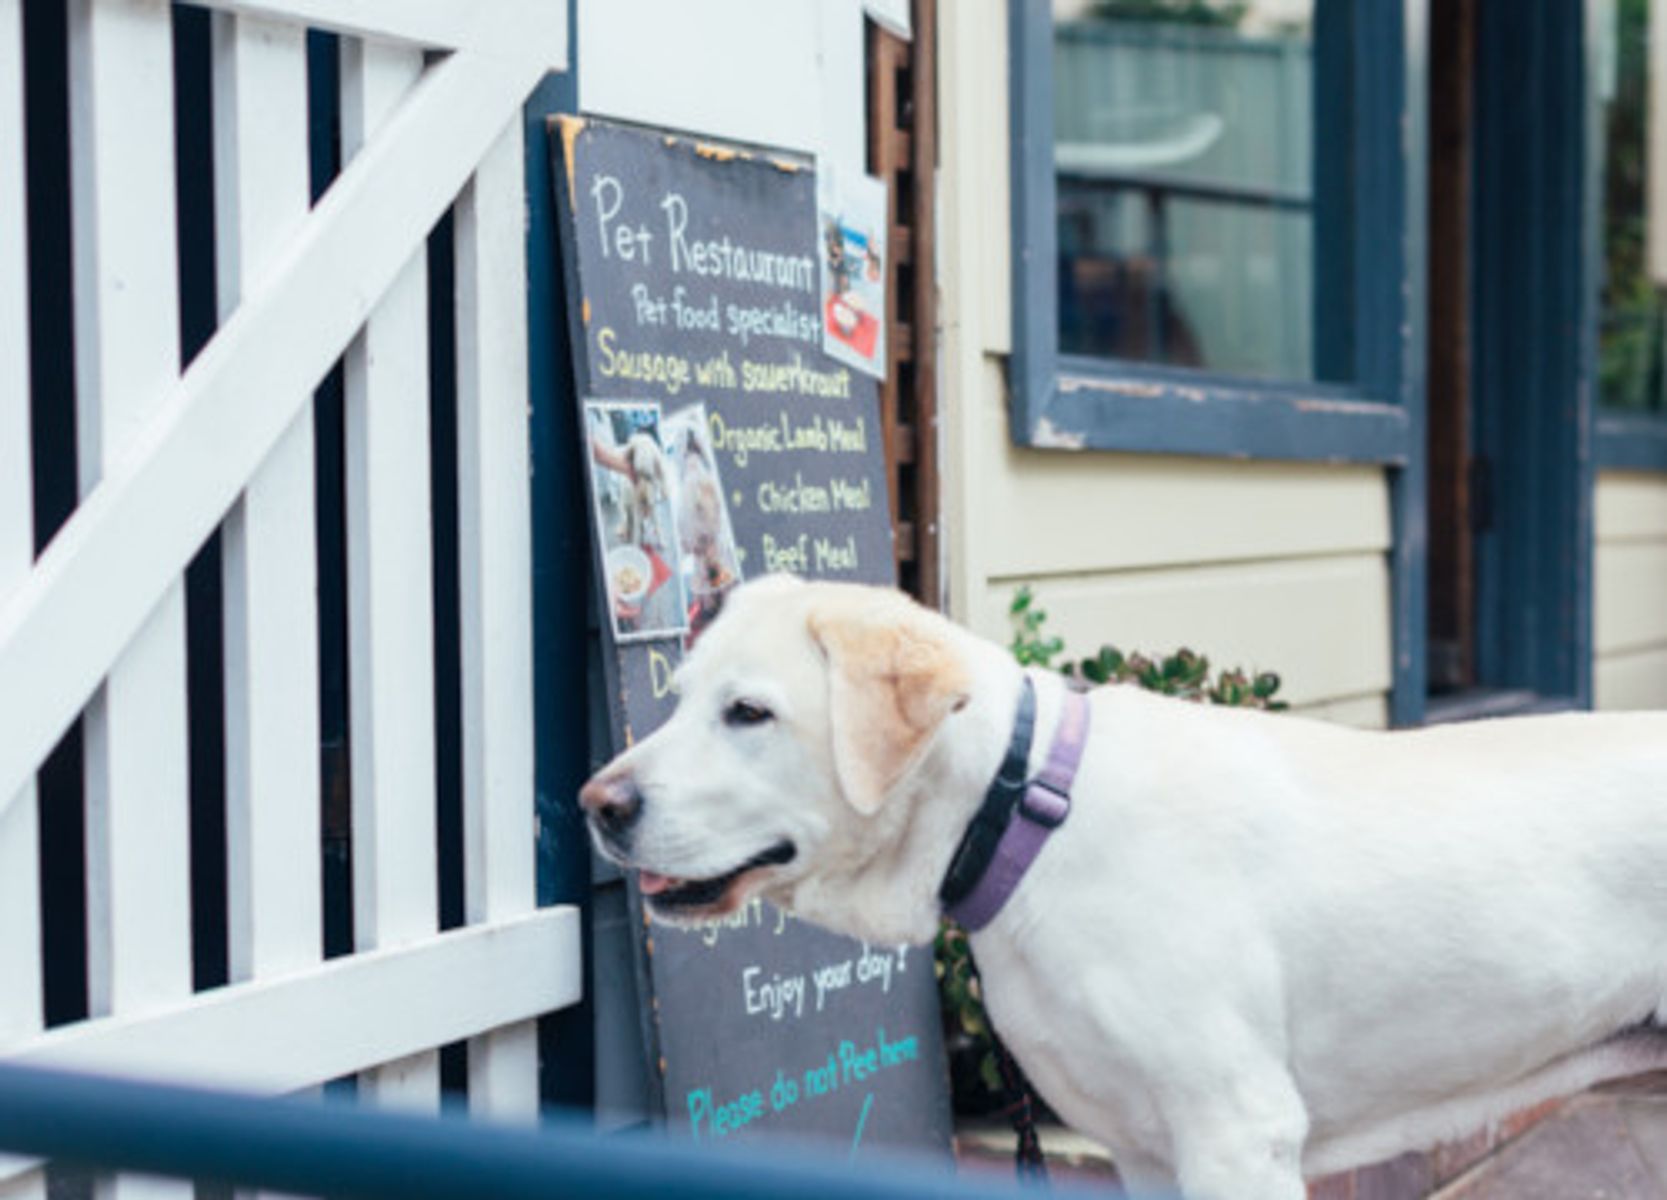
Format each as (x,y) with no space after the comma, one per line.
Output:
(709,561)
(851,214)
(633,490)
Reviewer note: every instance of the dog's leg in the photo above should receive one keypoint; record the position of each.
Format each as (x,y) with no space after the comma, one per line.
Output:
(1143,1177)
(1240,1137)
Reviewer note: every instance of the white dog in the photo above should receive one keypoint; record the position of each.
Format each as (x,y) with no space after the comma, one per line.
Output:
(1259,946)
(648,488)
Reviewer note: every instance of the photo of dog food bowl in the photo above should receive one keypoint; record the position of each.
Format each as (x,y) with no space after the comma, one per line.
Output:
(630,575)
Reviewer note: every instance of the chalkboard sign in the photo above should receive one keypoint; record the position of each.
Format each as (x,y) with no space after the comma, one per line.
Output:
(723,443)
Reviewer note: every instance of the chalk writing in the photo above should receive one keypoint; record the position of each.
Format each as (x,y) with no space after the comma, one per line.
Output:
(753,914)
(827,435)
(777,996)
(730,259)
(834,557)
(795,376)
(801,498)
(847,1064)
(722,257)
(670,372)
(662,678)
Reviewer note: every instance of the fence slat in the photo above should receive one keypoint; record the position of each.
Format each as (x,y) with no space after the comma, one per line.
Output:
(343,1016)
(504,28)
(270,569)
(20,949)
(389,586)
(127,360)
(495,565)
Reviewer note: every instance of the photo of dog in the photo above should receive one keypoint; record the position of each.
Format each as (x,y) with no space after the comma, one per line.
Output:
(710,562)
(649,489)
(633,494)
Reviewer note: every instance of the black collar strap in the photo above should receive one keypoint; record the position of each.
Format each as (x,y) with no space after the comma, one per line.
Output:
(978,844)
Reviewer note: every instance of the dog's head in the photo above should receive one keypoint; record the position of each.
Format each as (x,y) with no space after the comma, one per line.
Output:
(801,710)
(648,462)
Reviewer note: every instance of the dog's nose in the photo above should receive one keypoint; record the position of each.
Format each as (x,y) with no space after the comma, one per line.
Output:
(613,804)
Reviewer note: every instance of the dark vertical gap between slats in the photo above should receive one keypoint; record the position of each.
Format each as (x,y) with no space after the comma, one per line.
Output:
(330,515)
(204,618)
(60,780)
(448,720)
(448,661)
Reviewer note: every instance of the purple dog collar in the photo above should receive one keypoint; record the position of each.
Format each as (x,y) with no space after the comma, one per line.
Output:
(1042,807)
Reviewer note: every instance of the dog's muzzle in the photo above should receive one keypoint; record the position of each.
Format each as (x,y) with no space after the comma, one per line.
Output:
(614,805)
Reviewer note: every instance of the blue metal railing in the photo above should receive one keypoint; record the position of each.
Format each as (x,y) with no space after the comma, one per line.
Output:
(311,1147)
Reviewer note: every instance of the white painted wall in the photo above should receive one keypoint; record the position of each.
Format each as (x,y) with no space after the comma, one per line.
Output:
(1267,565)
(784,73)
(1629,591)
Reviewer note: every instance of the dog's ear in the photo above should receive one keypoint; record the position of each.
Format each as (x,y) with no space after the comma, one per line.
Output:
(893,676)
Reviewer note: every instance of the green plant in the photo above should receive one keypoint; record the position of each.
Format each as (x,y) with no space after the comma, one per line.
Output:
(963,1004)
(1184,674)
(1030,646)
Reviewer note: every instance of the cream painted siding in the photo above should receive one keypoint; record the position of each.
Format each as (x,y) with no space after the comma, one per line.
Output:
(1265,565)
(1629,589)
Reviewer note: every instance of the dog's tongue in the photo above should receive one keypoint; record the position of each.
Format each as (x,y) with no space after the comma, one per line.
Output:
(650,883)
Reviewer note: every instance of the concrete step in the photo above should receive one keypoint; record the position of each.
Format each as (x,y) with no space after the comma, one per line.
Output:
(1599,1147)
(1608,1145)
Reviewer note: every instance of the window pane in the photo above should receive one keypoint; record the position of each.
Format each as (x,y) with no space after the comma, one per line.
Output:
(1633,333)
(1196,191)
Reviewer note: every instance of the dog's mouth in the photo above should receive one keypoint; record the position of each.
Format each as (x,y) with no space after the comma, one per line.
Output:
(673,896)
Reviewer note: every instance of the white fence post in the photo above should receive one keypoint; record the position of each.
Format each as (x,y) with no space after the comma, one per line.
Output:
(495,564)
(390,588)
(127,361)
(20,951)
(269,563)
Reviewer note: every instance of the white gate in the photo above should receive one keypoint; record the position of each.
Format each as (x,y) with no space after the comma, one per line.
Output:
(94,627)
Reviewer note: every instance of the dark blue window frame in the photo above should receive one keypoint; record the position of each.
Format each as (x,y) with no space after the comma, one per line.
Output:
(1624,440)
(1069,402)
(1061,402)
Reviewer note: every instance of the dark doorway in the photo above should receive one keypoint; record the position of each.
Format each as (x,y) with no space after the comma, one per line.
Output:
(1511,300)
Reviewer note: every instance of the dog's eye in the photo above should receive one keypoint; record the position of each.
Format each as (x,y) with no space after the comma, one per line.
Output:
(745,712)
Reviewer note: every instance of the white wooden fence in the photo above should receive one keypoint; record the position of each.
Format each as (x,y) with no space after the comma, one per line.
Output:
(94,627)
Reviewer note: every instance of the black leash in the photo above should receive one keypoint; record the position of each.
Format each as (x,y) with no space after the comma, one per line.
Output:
(1018,1100)
(1020,1110)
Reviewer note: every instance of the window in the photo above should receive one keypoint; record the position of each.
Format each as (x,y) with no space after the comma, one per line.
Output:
(1210,227)
(1632,345)
(1184,155)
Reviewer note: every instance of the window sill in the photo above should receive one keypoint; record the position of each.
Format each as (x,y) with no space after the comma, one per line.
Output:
(1631,441)
(1480,704)
(1093,405)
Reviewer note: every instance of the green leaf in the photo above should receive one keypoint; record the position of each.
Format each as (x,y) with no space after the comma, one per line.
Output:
(989,1072)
